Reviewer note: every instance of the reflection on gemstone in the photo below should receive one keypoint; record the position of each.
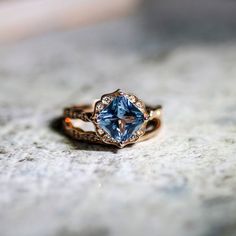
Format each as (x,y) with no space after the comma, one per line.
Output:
(121,119)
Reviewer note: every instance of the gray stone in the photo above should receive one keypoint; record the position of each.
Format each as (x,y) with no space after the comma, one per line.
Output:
(182,182)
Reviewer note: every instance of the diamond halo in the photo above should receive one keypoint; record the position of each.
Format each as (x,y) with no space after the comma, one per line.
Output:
(120,118)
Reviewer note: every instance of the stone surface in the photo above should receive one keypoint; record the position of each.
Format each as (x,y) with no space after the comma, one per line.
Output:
(120,119)
(181,183)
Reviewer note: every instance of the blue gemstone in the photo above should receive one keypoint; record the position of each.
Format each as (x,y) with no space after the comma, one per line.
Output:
(120,119)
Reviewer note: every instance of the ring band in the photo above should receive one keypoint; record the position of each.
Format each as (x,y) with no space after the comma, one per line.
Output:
(119,119)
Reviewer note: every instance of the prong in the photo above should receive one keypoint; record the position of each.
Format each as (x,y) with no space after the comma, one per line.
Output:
(121,145)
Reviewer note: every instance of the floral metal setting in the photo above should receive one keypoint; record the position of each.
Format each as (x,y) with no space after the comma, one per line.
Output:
(120,118)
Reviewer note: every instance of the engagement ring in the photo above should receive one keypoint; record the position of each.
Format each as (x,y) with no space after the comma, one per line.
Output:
(119,119)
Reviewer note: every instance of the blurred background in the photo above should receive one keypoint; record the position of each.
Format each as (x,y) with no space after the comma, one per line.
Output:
(178,53)
(22,19)
(36,17)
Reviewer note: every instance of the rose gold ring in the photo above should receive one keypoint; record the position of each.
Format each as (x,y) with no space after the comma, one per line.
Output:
(119,119)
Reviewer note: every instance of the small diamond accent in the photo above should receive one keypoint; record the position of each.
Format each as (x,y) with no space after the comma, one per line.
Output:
(100,131)
(108,137)
(139,104)
(100,106)
(106,100)
(132,98)
(140,132)
(133,138)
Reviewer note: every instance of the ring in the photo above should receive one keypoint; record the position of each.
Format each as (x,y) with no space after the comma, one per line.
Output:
(119,119)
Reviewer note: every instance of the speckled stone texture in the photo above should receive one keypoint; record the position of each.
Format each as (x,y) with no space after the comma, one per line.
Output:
(181,183)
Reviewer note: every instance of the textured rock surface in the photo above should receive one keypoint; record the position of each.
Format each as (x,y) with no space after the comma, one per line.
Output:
(180,183)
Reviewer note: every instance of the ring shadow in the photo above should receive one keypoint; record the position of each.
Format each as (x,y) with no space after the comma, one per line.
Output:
(56,126)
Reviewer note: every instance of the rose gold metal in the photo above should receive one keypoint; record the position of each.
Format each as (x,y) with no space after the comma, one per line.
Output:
(89,113)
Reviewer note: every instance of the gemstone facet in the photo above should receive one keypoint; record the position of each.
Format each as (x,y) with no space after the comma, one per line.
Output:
(120,119)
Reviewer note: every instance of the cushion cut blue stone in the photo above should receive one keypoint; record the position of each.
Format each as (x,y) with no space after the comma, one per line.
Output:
(120,119)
